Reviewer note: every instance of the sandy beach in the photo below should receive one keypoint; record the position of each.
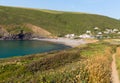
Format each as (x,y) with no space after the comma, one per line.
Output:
(66,41)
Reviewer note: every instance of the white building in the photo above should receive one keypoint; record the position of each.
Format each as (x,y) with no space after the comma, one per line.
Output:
(70,35)
(118,33)
(88,32)
(99,33)
(109,30)
(115,30)
(85,36)
(67,36)
(96,28)
(106,32)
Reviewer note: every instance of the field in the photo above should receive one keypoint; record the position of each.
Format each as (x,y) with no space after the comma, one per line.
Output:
(84,64)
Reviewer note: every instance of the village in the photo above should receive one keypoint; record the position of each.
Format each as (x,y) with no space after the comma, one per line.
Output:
(96,33)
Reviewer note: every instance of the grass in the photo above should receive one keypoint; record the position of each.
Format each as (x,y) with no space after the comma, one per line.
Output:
(118,60)
(17,28)
(57,22)
(94,51)
(116,47)
(75,65)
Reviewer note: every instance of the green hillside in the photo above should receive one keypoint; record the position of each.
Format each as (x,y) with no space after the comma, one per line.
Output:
(56,22)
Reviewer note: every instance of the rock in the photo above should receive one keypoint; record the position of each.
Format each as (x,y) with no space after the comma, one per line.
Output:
(20,36)
(4,35)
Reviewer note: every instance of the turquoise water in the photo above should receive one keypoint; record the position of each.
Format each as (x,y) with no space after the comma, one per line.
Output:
(21,48)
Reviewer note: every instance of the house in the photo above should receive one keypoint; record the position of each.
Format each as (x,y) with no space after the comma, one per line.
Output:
(85,36)
(106,32)
(109,30)
(67,36)
(70,35)
(99,33)
(115,30)
(118,33)
(96,28)
(88,32)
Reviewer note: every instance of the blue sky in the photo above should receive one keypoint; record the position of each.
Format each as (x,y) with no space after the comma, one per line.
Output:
(109,8)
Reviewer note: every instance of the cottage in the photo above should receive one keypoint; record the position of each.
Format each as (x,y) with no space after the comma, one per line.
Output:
(99,33)
(109,30)
(67,36)
(88,32)
(85,36)
(106,32)
(96,28)
(70,35)
(118,33)
(115,30)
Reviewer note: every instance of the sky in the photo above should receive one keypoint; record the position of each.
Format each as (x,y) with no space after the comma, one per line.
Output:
(109,8)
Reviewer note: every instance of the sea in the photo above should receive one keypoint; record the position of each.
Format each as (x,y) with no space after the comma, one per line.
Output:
(13,48)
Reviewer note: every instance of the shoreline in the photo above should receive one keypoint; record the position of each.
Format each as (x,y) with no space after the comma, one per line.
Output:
(65,41)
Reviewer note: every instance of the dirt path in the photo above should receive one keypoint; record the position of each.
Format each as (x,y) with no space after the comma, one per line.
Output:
(115,77)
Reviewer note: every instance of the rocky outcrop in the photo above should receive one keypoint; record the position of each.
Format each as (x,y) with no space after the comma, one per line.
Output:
(36,32)
(20,36)
(4,35)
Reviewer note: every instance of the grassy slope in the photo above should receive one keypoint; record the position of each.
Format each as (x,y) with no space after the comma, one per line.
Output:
(118,60)
(69,66)
(54,21)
